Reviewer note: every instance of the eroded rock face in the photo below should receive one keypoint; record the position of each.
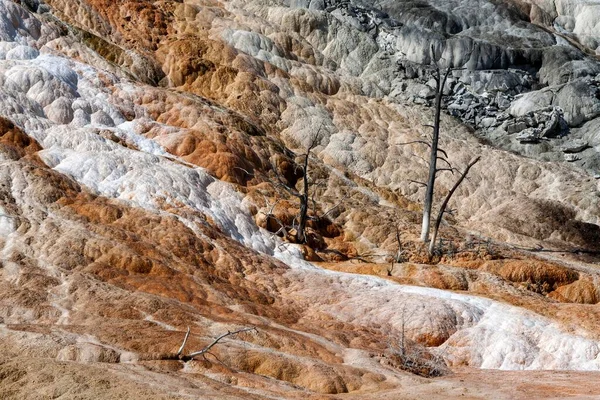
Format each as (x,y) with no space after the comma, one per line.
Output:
(137,142)
(576,19)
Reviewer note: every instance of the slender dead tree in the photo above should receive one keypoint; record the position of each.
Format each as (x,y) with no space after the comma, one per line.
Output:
(303,195)
(440,216)
(434,156)
(437,154)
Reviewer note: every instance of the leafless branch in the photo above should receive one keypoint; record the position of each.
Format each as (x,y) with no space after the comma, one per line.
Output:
(445,203)
(270,214)
(443,152)
(444,160)
(245,171)
(218,339)
(206,350)
(413,142)
(280,184)
(339,203)
(417,182)
(418,156)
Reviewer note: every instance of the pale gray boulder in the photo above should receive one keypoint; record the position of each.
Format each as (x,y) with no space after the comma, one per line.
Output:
(60,111)
(578,99)
(102,118)
(80,118)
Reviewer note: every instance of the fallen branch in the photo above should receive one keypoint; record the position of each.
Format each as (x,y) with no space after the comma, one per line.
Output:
(228,333)
(203,352)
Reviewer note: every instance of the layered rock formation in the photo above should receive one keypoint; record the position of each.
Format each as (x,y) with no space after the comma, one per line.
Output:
(138,142)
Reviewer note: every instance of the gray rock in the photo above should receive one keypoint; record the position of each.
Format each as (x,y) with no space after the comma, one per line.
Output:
(577,99)
(418,89)
(458,107)
(530,135)
(102,118)
(516,127)
(561,64)
(552,125)
(317,5)
(80,118)
(427,93)
(502,101)
(569,157)
(488,122)
(503,116)
(575,146)
(432,83)
(531,102)
(499,80)
(529,121)
(60,111)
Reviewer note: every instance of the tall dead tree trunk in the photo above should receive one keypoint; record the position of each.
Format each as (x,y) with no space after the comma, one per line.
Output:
(440,216)
(303,197)
(440,84)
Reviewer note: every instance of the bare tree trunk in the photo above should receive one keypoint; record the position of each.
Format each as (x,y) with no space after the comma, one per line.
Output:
(302,195)
(300,235)
(438,221)
(440,84)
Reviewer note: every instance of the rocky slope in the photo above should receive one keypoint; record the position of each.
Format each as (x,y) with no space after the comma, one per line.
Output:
(138,143)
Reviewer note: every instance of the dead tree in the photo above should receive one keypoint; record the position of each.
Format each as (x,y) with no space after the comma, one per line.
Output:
(414,357)
(434,156)
(303,195)
(440,216)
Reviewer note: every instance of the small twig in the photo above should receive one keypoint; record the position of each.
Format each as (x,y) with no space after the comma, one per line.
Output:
(413,142)
(339,203)
(444,160)
(218,359)
(417,182)
(245,171)
(451,170)
(443,152)
(418,156)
